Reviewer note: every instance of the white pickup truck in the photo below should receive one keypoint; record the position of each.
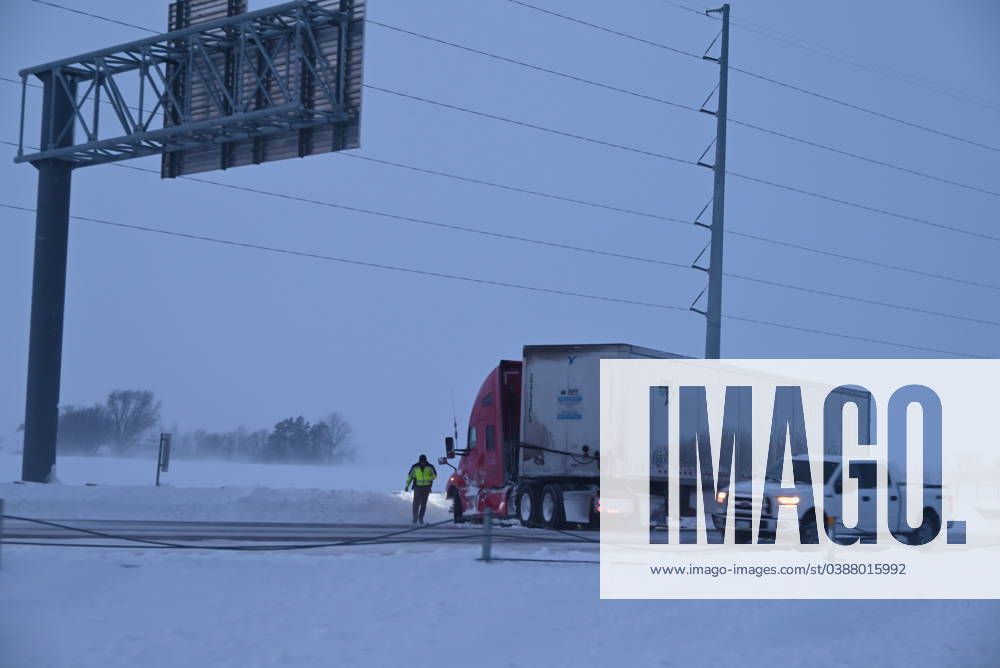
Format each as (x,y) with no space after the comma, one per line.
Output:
(744,505)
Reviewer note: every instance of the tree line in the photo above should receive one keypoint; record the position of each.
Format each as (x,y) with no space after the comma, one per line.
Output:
(124,424)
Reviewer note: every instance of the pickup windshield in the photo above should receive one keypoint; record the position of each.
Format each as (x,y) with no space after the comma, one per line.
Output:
(800,468)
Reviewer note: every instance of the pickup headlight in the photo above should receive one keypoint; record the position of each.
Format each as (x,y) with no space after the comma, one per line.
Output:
(721,497)
(788,500)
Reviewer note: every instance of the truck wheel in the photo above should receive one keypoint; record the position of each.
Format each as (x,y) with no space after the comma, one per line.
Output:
(527,508)
(928,530)
(456,504)
(809,532)
(552,510)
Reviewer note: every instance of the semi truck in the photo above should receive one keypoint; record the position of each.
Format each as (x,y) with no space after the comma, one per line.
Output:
(532,449)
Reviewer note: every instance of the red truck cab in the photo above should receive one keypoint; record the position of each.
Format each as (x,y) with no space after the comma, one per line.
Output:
(485,474)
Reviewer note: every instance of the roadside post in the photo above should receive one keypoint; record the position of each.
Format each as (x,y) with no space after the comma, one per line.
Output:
(163,457)
(487,536)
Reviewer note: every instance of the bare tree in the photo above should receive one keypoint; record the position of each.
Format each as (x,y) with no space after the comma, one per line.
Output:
(132,412)
(340,436)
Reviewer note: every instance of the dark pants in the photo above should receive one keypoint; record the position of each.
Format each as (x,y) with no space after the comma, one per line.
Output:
(420,494)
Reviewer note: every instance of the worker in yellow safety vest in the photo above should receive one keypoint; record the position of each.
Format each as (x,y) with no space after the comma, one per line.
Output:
(422,475)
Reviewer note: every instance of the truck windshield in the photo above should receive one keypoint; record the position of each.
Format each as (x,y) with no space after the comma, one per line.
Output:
(800,468)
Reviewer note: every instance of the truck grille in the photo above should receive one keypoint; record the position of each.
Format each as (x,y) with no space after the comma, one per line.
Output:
(745,506)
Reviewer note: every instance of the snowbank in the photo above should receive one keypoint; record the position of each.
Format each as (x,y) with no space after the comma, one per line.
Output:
(236,504)
(196,490)
(208,473)
(81,607)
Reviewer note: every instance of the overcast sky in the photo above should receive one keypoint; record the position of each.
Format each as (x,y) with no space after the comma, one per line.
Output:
(230,336)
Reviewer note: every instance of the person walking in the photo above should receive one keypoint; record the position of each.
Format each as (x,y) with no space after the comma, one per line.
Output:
(421,478)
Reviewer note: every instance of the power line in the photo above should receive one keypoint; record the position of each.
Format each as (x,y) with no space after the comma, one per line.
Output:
(525,191)
(860,260)
(380,539)
(858,156)
(423,221)
(670,219)
(608,207)
(525,124)
(848,336)
(841,56)
(829,198)
(360,263)
(865,207)
(94,16)
(456,277)
(766,78)
(857,107)
(962,96)
(617,33)
(863,300)
(678,105)
(634,258)
(532,66)
(700,12)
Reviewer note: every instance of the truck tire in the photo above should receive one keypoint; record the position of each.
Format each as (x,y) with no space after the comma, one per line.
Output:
(928,530)
(551,509)
(595,517)
(809,532)
(456,504)
(527,505)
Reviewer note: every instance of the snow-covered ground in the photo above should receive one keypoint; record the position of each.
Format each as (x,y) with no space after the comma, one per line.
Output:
(426,605)
(81,607)
(205,504)
(122,488)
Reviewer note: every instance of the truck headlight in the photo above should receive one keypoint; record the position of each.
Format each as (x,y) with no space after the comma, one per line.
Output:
(721,497)
(788,500)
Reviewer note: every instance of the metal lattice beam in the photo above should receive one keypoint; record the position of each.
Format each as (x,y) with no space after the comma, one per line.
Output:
(273,78)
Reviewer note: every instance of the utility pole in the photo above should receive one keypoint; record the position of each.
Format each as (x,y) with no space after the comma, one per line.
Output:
(48,286)
(713,331)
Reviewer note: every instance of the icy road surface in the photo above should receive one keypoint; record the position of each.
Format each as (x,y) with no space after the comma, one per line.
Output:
(256,533)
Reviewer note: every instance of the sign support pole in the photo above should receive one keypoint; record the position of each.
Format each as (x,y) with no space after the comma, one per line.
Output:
(48,290)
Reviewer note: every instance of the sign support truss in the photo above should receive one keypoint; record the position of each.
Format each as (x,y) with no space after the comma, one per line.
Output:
(278,80)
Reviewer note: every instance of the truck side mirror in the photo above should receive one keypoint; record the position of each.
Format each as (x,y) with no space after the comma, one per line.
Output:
(449,447)
(442,461)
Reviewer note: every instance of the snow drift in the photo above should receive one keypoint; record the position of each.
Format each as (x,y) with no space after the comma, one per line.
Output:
(235,504)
